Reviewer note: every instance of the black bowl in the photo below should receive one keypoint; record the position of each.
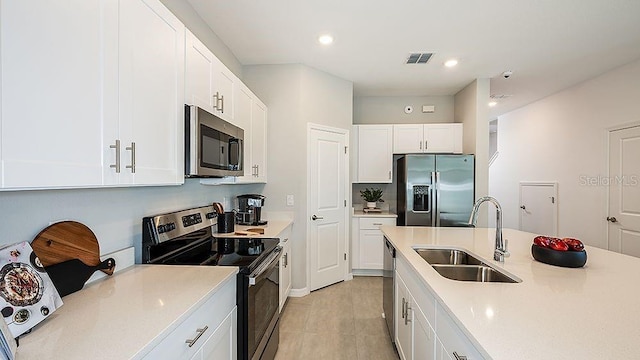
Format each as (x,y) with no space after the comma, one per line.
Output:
(572,259)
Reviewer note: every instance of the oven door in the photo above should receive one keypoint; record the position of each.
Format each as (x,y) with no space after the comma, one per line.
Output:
(263,308)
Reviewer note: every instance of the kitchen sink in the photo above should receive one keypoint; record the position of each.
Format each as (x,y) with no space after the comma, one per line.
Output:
(456,264)
(447,257)
(477,273)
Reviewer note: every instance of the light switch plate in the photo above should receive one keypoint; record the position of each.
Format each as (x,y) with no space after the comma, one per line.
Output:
(289,200)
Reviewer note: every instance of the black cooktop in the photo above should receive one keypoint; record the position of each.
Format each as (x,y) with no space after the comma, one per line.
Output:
(245,253)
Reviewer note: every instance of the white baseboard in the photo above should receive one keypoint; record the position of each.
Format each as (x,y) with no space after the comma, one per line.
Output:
(299,292)
(367,272)
(124,258)
(349,277)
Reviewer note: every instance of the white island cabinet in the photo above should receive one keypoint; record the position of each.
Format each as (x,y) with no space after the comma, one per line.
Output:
(108,78)
(145,312)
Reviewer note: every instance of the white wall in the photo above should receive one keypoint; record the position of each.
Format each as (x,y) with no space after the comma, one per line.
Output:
(561,138)
(296,95)
(471,110)
(185,12)
(114,214)
(390,109)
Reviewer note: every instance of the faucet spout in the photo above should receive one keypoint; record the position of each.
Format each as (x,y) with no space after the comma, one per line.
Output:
(500,251)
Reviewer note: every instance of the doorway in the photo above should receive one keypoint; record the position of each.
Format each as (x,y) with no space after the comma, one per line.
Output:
(327,215)
(539,208)
(624,191)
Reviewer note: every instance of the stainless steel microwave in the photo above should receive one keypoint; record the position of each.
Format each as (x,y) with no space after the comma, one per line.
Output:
(213,147)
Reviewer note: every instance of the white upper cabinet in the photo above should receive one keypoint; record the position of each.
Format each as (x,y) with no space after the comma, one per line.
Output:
(427,138)
(92,94)
(199,74)
(151,92)
(59,83)
(251,115)
(374,153)
(223,82)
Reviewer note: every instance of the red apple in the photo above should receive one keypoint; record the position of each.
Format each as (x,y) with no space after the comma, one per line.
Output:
(558,245)
(574,244)
(542,241)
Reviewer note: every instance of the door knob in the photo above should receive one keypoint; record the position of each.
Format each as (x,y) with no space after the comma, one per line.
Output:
(314,217)
(612,219)
(523,207)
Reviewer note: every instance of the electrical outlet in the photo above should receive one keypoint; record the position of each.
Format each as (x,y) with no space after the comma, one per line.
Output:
(289,200)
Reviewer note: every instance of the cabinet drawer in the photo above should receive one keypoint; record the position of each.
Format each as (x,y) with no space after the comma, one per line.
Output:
(210,314)
(452,337)
(375,223)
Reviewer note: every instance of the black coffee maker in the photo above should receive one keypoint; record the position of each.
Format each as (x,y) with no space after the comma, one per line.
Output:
(249,209)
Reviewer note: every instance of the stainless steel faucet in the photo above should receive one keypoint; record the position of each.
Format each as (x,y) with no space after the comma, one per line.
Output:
(500,251)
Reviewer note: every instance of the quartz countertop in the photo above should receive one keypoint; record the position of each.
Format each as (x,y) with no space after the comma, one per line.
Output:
(382,214)
(272,229)
(119,316)
(554,313)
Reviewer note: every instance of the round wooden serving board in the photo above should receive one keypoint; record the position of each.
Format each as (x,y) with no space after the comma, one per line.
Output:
(67,240)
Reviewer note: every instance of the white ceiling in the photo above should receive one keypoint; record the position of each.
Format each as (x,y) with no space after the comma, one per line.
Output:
(548,44)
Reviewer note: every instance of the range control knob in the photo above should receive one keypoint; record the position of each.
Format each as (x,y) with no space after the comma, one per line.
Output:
(161,229)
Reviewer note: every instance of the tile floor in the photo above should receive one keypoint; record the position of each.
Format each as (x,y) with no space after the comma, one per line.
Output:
(342,321)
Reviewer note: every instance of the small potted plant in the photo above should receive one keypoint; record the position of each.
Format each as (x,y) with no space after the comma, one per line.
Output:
(371,196)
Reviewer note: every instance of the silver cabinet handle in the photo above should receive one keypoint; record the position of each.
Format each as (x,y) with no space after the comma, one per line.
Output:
(389,174)
(379,224)
(459,357)
(402,312)
(286,259)
(420,144)
(258,170)
(117,164)
(132,148)
(222,102)
(406,317)
(425,144)
(612,219)
(314,217)
(216,100)
(200,332)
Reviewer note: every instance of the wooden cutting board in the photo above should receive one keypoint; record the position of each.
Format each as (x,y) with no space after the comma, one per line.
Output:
(68,240)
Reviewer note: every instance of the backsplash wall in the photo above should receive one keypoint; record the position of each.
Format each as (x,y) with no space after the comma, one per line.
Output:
(114,214)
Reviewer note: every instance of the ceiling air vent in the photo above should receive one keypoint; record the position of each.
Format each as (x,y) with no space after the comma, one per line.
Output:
(419,58)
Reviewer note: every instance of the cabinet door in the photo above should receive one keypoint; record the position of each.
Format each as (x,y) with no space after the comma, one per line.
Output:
(408,139)
(443,138)
(371,249)
(152,53)
(199,74)
(223,80)
(221,345)
(452,337)
(58,91)
(259,139)
(424,337)
(375,153)
(285,272)
(404,321)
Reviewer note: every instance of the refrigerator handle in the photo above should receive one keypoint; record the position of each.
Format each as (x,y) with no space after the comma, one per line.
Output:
(437,208)
(434,192)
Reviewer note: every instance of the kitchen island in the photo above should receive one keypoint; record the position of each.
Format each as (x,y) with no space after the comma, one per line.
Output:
(553,313)
(138,312)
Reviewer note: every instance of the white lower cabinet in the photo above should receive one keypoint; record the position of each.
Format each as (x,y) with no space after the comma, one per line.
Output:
(221,344)
(424,330)
(285,266)
(211,329)
(368,242)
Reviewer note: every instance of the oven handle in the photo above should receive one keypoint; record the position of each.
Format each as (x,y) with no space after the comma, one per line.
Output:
(267,265)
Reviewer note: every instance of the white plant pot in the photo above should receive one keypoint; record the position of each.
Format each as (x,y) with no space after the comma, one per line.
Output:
(371,204)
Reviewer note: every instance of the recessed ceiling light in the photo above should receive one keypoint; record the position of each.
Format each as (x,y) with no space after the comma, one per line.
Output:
(451,63)
(492,104)
(325,39)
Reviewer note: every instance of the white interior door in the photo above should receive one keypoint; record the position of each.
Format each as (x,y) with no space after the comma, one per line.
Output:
(327,210)
(624,191)
(539,208)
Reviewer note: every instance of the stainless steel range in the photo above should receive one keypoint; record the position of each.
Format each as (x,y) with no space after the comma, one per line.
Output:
(186,238)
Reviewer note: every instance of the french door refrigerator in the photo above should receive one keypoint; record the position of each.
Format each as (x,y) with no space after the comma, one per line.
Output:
(435,190)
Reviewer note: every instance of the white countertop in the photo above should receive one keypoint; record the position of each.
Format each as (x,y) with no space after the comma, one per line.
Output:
(382,214)
(119,316)
(272,229)
(554,313)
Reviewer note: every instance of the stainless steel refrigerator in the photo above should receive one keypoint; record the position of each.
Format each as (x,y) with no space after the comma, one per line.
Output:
(435,190)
